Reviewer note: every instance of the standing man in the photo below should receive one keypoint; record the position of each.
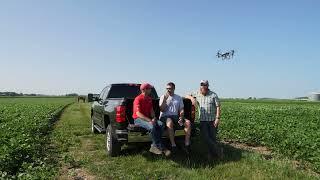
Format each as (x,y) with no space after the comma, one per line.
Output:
(144,116)
(209,107)
(172,114)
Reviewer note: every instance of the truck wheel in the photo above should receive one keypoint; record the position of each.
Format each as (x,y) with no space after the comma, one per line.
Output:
(93,129)
(113,147)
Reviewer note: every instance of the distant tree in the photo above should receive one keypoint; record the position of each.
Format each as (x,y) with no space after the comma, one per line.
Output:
(10,94)
(72,94)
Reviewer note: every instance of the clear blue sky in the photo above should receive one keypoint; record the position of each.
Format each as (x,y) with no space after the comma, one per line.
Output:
(64,46)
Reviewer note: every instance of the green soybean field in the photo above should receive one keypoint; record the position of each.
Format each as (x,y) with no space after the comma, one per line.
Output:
(24,125)
(289,128)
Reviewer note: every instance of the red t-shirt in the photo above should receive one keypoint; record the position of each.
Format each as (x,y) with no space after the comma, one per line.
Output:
(143,104)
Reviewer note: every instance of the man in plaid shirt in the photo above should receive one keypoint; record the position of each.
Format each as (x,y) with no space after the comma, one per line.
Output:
(209,107)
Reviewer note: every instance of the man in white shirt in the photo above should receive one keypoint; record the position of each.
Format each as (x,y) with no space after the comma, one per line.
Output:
(172,114)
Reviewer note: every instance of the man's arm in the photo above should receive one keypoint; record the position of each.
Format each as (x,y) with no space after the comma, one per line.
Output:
(163,103)
(218,111)
(181,106)
(217,119)
(181,113)
(153,114)
(143,117)
(193,100)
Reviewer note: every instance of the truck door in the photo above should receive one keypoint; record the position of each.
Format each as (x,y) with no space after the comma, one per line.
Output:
(101,106)
(97,109)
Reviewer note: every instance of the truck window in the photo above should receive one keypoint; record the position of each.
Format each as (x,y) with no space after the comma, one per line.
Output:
(128,91)
(102,93)
(104,96)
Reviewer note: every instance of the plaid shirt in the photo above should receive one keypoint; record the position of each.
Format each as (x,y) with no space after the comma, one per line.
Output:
(208,105)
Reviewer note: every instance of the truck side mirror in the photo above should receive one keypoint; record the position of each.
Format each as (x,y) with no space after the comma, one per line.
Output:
(96,99)
(90,97)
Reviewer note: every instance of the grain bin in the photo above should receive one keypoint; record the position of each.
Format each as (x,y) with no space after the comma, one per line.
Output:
(314,96)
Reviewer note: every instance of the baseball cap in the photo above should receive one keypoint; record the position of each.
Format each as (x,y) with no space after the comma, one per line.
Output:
(145,86)
(204,82)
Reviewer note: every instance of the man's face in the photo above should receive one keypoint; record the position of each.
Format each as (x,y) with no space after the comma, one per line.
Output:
(147,91)
(170,89)
(204,88)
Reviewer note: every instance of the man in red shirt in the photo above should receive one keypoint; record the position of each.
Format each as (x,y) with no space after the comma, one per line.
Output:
(144,116)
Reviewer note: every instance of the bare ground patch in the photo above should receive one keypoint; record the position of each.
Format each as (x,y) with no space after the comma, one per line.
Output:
(267,154)
(75,174)
(258,149)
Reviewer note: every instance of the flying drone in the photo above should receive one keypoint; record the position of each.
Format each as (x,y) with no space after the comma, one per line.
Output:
(225,56)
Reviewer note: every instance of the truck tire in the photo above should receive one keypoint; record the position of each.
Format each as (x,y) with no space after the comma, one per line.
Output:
(113,147)
(93,129)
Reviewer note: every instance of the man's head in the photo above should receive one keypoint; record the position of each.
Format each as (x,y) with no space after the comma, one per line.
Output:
(170,88)
(204,86)
(146,88)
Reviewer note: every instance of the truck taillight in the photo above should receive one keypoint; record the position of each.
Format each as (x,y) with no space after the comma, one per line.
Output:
(120,114)
(193,112)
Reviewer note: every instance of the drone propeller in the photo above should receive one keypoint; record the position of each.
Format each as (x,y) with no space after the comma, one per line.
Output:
(219,54)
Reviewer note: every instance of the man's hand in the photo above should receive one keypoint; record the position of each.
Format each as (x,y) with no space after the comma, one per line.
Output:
(163,105)
(166,96)
(216,122)
(181,121)
(153,121)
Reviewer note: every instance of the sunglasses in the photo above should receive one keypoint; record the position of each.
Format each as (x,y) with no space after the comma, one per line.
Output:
(169,88)
(203,84)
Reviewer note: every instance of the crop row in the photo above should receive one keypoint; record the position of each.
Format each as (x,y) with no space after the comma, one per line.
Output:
(289,128)
(24,125)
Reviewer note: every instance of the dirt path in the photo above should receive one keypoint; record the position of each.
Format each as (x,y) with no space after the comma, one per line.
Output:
(257,149)
(73,133)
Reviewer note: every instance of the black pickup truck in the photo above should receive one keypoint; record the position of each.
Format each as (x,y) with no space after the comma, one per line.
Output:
(111,113)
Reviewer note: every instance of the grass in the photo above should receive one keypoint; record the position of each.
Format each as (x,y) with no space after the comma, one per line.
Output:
(82,155)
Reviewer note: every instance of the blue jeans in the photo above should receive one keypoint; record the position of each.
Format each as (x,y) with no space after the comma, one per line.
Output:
(155,131)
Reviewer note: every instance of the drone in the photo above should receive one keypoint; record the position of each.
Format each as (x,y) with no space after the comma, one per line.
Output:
(226,56)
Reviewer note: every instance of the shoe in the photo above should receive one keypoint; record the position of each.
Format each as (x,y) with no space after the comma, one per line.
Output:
(155,150)
(174,149)
(188,149)
(220,153)
(166,152)
(209,157)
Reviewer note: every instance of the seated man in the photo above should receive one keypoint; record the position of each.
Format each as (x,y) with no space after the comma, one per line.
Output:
(172,113)
(144,116)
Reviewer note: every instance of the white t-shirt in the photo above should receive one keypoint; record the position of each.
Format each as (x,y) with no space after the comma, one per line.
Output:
(174,105)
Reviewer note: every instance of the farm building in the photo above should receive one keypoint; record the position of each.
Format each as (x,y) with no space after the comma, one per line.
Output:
(314,96)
